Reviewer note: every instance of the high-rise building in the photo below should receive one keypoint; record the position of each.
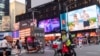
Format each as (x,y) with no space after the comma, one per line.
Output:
(4,7)
(16,8)
(4,10)
(28,4)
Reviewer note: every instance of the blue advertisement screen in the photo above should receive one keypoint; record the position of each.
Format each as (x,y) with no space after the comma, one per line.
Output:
(50,25)
(15,34)
(98,15)
(3,34)
(63,19)
(82,19)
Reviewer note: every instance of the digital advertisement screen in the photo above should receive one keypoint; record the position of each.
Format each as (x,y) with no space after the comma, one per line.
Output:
(7,33)
(3,34)
(63,19)
(27,23)
(50,25)
(93,34)
(98,15)
(15,34)
(16,26)
(82,19)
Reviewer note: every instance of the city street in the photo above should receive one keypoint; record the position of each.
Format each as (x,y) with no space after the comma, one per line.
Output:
(92,50)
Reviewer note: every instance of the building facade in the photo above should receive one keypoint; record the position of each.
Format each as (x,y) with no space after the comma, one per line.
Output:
(4,11)
(28,4)
(16,8)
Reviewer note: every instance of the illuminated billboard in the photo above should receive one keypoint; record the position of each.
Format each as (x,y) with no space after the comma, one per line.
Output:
(63,19)
(82,19)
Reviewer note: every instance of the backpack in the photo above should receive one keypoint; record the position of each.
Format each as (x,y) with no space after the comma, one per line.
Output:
(65,49)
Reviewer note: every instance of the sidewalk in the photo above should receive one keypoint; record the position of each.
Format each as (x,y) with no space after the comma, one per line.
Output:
(14,51)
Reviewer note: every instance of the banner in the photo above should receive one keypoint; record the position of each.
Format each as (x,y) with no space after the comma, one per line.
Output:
(25,24)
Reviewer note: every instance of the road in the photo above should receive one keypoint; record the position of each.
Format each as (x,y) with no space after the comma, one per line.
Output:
(93,50)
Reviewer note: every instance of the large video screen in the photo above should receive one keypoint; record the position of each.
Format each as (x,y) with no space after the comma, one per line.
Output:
(3,34)
(50,25)
(98,15)
(15,34)
(82,19)
(63,19)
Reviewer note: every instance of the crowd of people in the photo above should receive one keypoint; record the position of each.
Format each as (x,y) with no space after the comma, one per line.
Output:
(6,46)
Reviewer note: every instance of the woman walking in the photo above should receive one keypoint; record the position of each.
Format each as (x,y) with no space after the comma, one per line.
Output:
(18,46)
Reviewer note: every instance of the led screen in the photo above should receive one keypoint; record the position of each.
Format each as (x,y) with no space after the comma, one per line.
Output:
(7,33)
(15,34)
(98,15)
(50,25)
(93,34)
(63,19)
(82,19)
(3,34)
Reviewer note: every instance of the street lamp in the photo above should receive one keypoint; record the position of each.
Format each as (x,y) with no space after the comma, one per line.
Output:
(68,32)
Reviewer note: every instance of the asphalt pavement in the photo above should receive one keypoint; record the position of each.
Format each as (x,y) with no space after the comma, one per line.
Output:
(92,50)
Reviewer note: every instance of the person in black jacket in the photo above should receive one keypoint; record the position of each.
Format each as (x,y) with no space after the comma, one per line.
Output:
(18,46)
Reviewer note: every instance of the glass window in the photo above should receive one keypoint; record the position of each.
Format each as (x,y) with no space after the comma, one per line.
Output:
(1,1)
(0,18)
(1,9)
(1,13)
(2,5)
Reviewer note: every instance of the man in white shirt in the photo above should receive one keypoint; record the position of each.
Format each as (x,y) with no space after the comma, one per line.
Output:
(4,46)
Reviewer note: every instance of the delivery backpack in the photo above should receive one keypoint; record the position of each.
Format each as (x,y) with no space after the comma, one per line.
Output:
(65,49)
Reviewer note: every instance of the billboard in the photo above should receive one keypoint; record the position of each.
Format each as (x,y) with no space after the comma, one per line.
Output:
(28,23)
(16,26)
(98,15)
(82,19)
(63,19)
(6,23)
(15,34)
(3,34)
(50,25)
(35,3)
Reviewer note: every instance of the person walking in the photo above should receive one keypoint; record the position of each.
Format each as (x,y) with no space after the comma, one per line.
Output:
(18,46)
(80,42)
(4,46)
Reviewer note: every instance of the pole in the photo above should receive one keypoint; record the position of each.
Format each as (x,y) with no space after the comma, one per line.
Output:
(68,32)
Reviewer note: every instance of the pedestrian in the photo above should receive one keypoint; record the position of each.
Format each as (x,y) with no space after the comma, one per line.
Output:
(4,46)
(18,46)
(80,42)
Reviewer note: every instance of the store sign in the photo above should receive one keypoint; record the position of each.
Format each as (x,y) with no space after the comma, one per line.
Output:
(25,24)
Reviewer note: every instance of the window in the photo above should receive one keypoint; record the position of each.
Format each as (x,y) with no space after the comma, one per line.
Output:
(2,1)
(1,13)
(1,5)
